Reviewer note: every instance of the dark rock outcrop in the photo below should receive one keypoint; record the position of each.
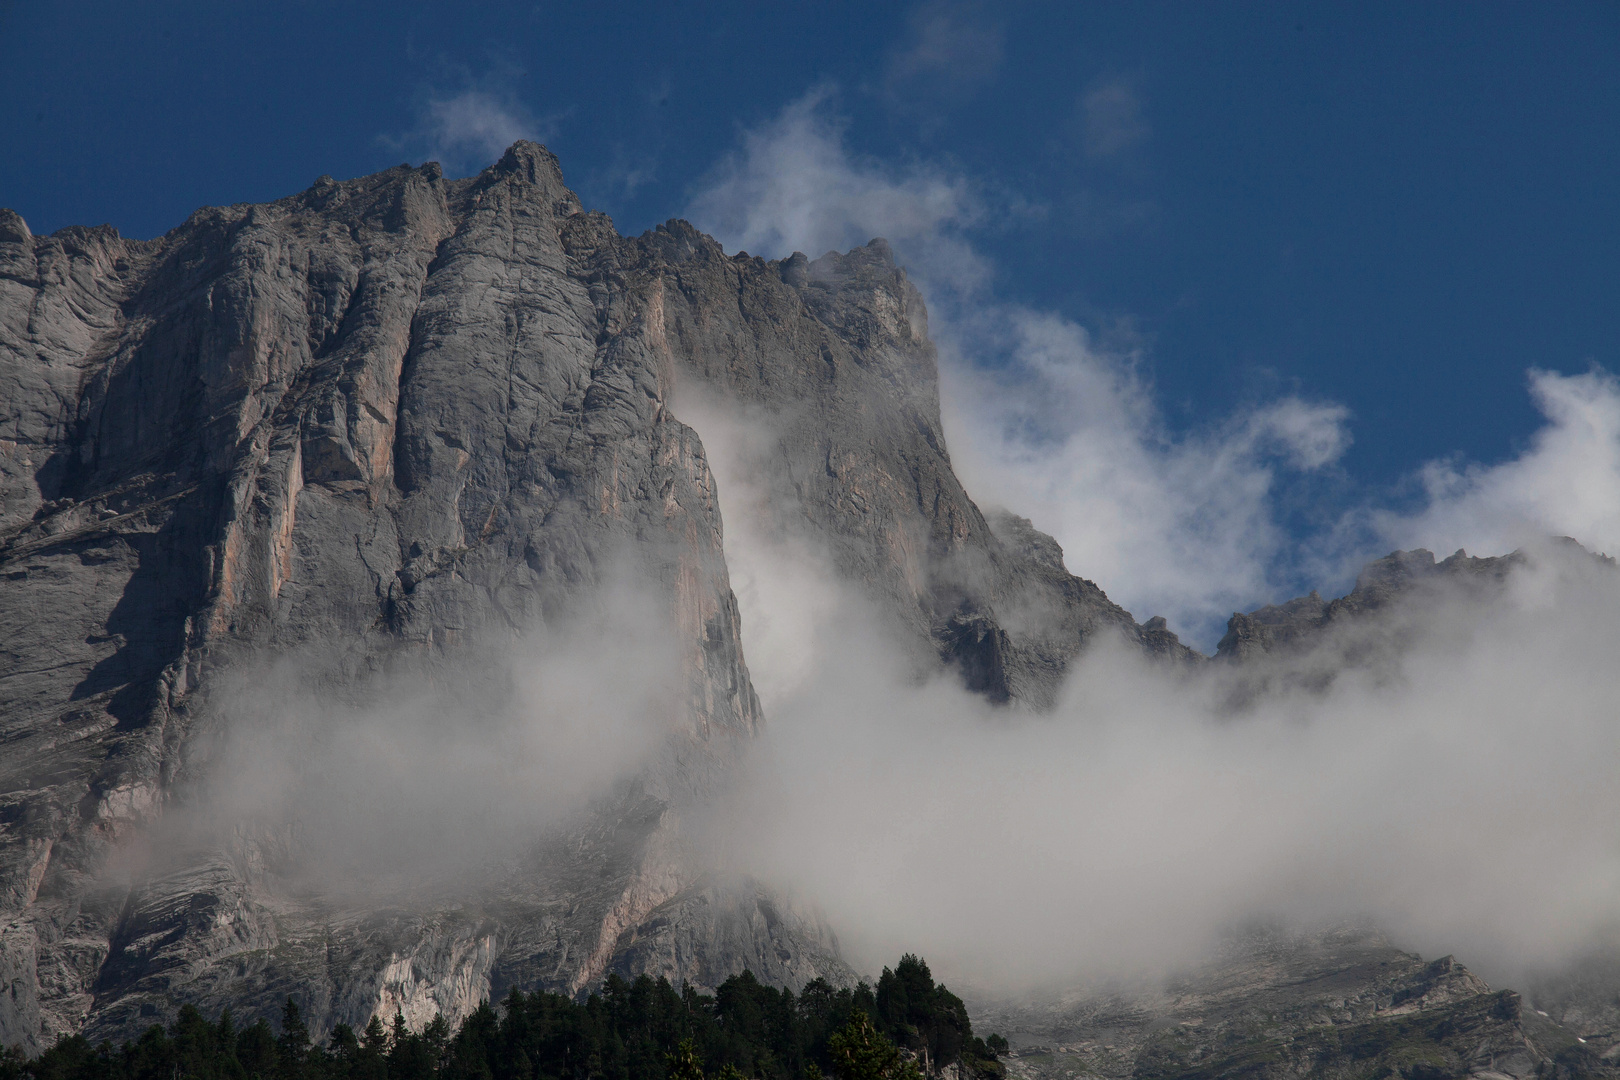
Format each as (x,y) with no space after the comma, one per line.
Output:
(1307,644)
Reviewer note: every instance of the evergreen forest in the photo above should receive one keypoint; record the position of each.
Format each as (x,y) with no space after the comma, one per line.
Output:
(906,1028)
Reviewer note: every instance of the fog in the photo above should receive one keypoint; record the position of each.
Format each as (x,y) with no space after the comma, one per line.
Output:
(1460,795)
(1462,799)
(439,772)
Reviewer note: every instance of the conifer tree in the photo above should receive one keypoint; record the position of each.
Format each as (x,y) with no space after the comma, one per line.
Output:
(860,1052)
(684,1063)
(292,1045)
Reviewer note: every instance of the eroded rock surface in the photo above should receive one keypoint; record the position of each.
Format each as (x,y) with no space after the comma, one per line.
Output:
(1278,1004)
(376,426)
(373,424)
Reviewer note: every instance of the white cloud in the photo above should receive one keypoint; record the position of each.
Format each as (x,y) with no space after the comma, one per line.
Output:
(469,130)
(1069,436)
(952,43)
(1567,483)
(1111,118)
(1464,805)
(793,186)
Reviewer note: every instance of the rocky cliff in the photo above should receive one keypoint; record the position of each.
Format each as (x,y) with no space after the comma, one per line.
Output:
(391,432)
(373,428)
(1279,1004)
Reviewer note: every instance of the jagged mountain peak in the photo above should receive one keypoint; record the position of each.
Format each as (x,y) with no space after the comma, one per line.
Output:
(370,428)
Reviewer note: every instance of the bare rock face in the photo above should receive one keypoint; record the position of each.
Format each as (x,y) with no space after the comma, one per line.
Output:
(1399,576)
(1307,643)
(371,422)
(832,358)
(1280,1004)
(376,426)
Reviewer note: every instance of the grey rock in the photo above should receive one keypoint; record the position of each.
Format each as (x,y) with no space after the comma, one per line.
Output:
(373,423)
(373,426)
(1277,1003)
(1306,644)
(832,355)
(1397,577)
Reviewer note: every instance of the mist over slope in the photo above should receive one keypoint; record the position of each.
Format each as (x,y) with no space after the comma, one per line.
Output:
(1062,425)
(1429,755)
(413,589)
(368,628)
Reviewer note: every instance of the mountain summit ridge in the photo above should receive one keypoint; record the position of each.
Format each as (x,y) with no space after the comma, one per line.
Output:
(399,428)
(374,425)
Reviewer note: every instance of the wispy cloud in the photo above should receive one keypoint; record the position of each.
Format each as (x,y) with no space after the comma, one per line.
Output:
(1566,482)
(1050,424)
(1041,419)
(1112,120)
(438,776)
(468,130)
(949,43)
(793,186)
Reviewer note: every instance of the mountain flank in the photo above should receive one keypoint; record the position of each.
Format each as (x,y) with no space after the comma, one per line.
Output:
(374,427)
(382,433)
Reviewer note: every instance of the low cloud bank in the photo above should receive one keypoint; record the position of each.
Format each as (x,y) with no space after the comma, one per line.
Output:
(1462,799)
(437,774)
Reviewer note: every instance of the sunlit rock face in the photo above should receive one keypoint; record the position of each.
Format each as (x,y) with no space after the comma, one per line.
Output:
(383,433)
(368,635)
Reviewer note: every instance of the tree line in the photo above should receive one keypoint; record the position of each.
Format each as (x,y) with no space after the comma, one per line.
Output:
(906,1028)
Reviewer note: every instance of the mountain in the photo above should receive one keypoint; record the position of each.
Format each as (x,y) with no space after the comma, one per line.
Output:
(347,484)
(1341,1002)
(368,430)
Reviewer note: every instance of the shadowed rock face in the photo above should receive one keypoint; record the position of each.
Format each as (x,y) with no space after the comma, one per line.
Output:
(1277,1004)
(375,426)
(1301,623)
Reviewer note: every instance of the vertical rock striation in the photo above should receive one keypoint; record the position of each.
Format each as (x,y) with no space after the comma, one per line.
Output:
(374,426)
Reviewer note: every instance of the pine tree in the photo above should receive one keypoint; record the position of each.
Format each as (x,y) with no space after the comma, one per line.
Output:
(292,1046)
(860,1052)
(375,1038)
(684,1064)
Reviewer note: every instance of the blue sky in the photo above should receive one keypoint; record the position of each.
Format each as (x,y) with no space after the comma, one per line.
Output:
(1391,210)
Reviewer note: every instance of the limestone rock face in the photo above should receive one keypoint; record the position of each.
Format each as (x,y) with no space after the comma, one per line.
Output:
(372,422)
(375,427)
(1341,1002)
(830,360)
(1397,577)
